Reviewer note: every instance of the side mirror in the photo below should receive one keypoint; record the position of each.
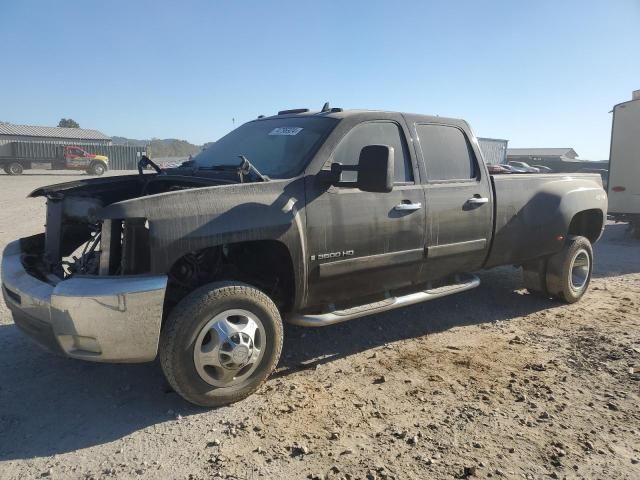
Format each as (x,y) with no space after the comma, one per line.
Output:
(375,169)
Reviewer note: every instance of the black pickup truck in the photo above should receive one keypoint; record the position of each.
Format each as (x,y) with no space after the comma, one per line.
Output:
(311,217)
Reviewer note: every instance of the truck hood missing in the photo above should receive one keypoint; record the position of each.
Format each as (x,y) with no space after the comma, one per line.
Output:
(113,189)
(181,213)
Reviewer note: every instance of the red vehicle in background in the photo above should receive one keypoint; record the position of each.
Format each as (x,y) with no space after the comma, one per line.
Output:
(15,157)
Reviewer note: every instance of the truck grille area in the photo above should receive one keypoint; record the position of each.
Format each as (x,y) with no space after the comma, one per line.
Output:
(69,229)
(125,247)
(77,243)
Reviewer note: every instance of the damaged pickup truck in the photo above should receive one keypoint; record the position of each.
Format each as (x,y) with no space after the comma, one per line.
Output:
(311,217)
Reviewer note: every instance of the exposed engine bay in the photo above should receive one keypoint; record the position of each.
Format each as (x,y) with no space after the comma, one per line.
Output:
(78,241)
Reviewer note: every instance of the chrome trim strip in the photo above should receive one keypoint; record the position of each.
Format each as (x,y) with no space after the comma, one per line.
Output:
(437,251)
(369,262)
(330,318)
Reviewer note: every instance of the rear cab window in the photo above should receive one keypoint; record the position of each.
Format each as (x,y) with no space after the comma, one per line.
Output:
(447,153)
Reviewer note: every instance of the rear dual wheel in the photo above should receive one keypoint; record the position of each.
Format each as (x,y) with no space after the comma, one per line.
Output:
(565,275)
(220,343)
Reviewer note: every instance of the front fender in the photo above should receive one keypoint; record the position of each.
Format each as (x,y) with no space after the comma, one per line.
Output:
(190,220)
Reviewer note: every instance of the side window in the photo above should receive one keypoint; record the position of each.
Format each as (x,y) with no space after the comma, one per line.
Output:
(447,153)
(382,133)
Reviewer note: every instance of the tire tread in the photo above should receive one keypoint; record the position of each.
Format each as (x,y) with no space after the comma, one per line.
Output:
(190,306)
(557,269)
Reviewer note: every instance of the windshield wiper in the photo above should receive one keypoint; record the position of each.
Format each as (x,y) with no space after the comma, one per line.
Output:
(244,168)
(147,162)
(247,167)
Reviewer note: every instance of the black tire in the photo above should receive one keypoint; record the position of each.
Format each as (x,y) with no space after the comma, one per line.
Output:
(187,321)
(97,168)
(565,282)
(14,168)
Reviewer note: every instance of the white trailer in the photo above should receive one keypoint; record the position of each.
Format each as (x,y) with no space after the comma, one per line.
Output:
(624,163)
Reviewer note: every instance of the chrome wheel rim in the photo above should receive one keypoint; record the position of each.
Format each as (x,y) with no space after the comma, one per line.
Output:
(579,271)
(229,348)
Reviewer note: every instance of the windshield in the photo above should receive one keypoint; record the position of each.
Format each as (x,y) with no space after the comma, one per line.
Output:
(278,147)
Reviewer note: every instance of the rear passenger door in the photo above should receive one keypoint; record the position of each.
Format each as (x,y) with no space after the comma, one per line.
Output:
(458,200)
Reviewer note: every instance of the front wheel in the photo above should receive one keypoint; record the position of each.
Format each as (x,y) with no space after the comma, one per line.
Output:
(220,343)
(569,271)
(14,168)
(97,168)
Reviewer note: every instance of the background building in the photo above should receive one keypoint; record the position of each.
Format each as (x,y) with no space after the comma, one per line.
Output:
(35,139)
(58,135)
(558,159)
(538,155)
(494,150)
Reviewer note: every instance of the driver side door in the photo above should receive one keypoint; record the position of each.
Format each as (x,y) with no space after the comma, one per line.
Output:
(363,244)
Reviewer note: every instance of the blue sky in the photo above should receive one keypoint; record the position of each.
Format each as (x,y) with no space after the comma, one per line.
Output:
(539,73)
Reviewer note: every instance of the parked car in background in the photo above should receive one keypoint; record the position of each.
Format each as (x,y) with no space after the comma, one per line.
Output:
(543,169)
(495,168)
(513,169)
(524,166)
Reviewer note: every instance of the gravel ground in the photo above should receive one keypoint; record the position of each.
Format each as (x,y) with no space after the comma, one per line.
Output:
(489,383)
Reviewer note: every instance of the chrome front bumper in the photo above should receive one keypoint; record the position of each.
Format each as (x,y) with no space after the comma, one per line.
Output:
(102,319)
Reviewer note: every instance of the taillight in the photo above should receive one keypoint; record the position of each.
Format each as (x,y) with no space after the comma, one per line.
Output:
(618,189)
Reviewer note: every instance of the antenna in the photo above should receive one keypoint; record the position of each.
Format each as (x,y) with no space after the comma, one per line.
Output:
(325,107)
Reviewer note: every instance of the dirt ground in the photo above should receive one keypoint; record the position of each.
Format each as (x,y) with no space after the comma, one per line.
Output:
(492,383)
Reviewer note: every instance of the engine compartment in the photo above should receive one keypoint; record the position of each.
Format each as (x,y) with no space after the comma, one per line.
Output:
(77,241)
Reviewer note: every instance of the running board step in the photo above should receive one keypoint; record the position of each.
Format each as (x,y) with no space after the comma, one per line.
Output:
(464,282)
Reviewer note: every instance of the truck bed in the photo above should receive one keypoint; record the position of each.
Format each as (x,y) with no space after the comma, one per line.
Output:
(530,213)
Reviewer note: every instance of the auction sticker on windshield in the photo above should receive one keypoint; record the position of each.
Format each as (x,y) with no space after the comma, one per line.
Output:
(285,131)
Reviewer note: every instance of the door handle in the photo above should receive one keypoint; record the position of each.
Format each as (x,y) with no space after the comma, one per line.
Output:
(408,206)
(478,200)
